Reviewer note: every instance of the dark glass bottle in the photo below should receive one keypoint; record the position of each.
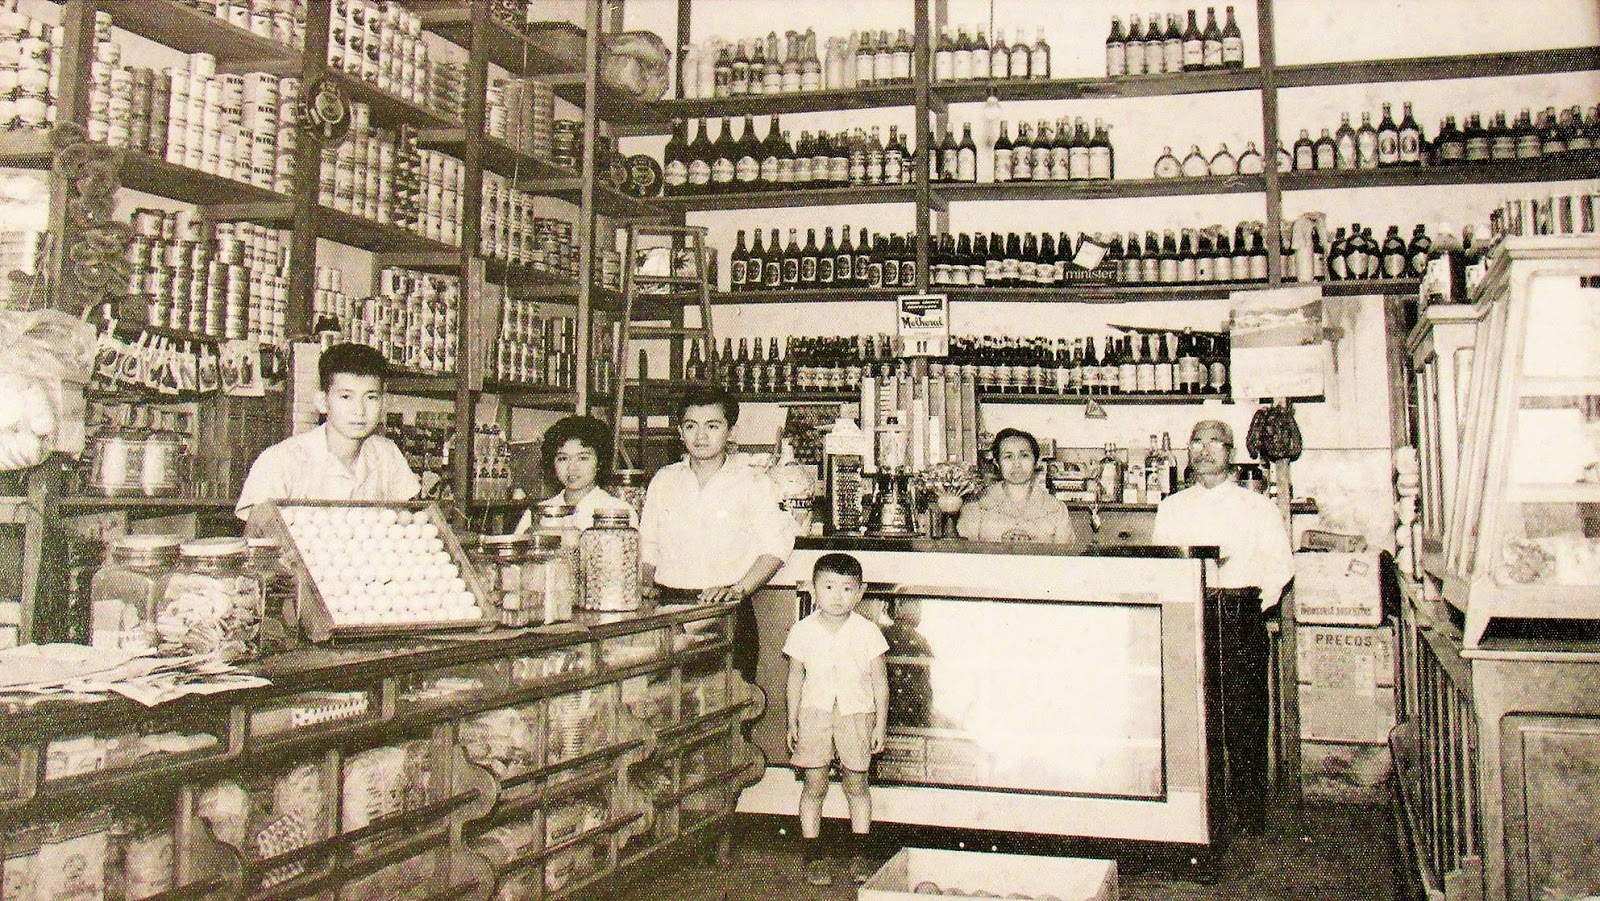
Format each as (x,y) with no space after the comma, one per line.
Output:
(808,260)
(844,265)
(1232,43)
(773,280)
(755,273)
(1194,48)
(738,263)
(1411,138)
(825,259)
(674,161)
(1212,38)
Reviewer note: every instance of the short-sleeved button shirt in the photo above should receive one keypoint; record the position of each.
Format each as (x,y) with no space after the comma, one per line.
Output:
(303,468)
(838,664)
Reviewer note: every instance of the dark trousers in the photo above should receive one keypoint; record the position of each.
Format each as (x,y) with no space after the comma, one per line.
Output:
(746,639)
(1245,653)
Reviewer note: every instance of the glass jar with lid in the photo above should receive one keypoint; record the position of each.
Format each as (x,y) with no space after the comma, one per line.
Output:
(630,489)
(611,562)
(118,465)
(279,602)
(502,560)
(124,593)
(556,519)
(160,465)
(211,605)
(551,576)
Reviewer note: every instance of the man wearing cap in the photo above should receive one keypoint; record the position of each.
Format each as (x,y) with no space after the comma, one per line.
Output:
(1256,563)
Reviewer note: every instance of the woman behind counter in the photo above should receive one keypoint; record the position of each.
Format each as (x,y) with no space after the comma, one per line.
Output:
(577,453)
(1018,508)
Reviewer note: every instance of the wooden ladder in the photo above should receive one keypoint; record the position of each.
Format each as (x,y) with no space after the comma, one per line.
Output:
(681,243)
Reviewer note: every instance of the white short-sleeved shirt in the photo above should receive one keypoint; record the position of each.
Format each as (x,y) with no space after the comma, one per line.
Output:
(1245,526)
(701,536)
(303,468)
(583,513)
(838,664)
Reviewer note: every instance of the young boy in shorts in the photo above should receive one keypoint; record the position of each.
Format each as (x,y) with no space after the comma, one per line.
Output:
(838,705)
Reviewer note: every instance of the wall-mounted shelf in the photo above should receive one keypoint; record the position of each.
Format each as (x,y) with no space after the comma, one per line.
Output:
(1433,68)
(662,112)
(1505,171)
(387,108)
(517,53)
(153,175)
(1099,189)
(186,29)
(857,195)
(1160,85)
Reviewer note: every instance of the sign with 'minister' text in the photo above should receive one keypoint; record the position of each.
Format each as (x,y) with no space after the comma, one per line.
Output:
(923,325)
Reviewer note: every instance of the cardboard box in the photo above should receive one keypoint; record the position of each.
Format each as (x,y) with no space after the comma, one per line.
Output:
(999,875)
(1333,715)
(1337,589)
(1346,677)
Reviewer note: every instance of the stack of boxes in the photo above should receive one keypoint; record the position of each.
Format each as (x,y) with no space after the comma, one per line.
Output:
(228,280)
(383,176)
(1346,671)
(30,71)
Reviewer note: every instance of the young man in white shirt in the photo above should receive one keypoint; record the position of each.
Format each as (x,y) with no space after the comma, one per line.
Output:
(1257,562)
(713,530)
(343,459)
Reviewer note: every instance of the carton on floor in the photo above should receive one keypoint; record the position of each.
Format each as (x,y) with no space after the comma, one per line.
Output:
(1001,875)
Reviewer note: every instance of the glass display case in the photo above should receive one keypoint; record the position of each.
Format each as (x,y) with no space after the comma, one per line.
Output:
(1524,534)
(1441,347)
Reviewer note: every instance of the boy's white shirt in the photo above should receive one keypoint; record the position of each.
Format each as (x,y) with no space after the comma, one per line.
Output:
(303,467)
(838,665)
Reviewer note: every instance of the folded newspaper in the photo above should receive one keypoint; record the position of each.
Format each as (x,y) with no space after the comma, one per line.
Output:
(40,672)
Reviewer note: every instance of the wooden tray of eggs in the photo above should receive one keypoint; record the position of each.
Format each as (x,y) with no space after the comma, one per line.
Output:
(368,570)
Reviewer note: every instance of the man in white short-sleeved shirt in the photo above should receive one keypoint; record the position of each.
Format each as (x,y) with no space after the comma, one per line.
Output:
(342,459)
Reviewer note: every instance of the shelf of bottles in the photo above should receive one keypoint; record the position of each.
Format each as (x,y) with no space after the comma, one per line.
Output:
(1149,367)
(1552,146)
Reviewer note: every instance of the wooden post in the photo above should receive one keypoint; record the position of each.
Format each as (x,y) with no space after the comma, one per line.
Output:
(1288,668)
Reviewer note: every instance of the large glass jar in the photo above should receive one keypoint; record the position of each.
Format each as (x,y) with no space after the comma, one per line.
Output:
(502,561)
(611,562)
(630,489)
(118,465)
(551,576)
(160,467)
(279,603)
(211,604)
(124,593)
(556,519)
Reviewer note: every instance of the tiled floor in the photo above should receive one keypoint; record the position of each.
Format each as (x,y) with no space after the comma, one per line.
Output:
(1313,853)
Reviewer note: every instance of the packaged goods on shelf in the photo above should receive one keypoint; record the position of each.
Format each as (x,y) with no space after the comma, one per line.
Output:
(225,280)
(425,442)
(514,235)
(1069,150)
(76,756)
(283,21)
(537,344)
(382,45)
(385,781)
(1554,134)
(878,261)
(382,176)
(503,741)
(754,163)
(308,708)
(267,814)
(413,320)
(521,113)
(29,100)
(491,480)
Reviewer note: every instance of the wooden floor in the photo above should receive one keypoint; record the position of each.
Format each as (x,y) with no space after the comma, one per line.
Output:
(1316,852)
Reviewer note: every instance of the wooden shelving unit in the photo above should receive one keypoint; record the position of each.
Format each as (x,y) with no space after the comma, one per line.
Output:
(800,197)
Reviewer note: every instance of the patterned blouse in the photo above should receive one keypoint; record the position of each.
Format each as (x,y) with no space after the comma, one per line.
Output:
(995,517)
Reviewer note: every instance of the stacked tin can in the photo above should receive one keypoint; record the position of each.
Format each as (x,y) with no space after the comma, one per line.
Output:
(235,126)
(226,281)
(380,43)
(513,234)
(413,319)
(521,112)
(283,21)
(331,308)
(536,345)
(566,145)
(30,71)
(381,175)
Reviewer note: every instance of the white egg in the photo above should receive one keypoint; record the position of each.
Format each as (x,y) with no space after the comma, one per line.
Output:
(457,585)
(395,531)
(411,531)
(382,603)
(429,530)
(387,515)
(420,516)
(432,544)
(442,558)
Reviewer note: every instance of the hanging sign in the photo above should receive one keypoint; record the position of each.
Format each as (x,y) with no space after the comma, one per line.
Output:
(1277,343)
(923,325)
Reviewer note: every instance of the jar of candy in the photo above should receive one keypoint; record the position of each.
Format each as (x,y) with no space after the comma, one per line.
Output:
(211,605)
(502,562)
(124,593)
(550,575)
(611,562)
(630,489)
(279,601)
(556,519)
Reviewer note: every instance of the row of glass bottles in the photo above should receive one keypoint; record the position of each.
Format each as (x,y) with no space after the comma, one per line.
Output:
(1551,135)
(1222,163)
(1153,51)
(754,163)
(961,56)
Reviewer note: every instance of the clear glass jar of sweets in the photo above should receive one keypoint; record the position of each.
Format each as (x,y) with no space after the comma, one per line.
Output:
(630,489)
(279,604)
(124,593)
(212,605)
(611,562)
(550,574)
(556,519)
(502,561)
